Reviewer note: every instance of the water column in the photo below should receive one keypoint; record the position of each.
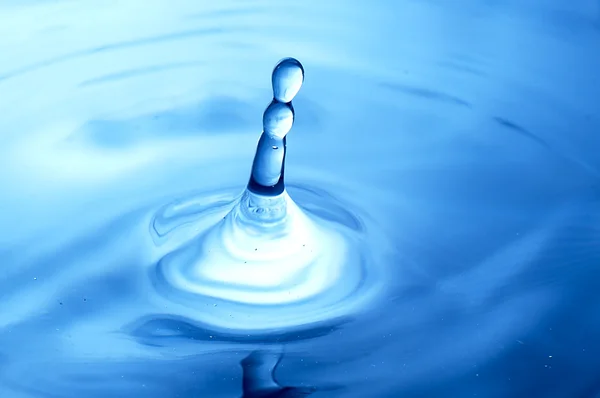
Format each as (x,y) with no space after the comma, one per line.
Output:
(267,177)
(264,198)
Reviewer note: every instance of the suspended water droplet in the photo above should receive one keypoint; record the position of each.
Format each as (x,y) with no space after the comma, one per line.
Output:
(287,79)
(278,119)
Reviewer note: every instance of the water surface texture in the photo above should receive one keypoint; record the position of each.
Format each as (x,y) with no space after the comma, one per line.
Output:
(438,234)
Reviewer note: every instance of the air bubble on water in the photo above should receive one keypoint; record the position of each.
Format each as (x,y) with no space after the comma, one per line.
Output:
(287,79)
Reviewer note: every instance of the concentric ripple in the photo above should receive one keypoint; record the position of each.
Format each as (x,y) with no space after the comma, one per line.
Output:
(247,268)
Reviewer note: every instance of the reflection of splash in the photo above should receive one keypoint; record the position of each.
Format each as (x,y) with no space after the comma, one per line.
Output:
(280,272)
(259,380)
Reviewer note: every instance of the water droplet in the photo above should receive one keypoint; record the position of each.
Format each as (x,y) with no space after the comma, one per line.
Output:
(278,119)
(287,79)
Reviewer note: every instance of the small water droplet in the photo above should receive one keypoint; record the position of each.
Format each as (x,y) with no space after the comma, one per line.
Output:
(275,147)
(287,79)
(278,119)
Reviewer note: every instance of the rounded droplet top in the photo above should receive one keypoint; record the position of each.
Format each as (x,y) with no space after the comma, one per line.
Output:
(287,79)
(278,119)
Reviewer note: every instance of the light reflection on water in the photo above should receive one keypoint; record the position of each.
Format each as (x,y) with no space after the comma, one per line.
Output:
(465,136)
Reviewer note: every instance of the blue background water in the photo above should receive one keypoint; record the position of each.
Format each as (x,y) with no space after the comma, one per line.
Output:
(466,131)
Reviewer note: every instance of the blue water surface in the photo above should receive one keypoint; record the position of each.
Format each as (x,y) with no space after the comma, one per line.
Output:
(443,173)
